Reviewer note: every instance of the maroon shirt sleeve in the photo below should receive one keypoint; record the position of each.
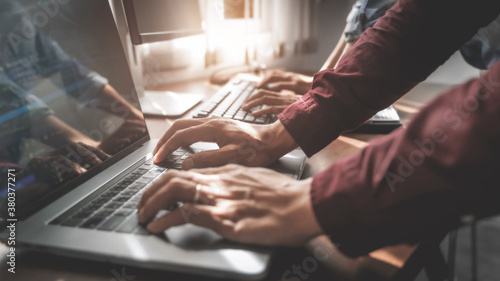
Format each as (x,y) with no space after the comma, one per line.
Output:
(406,186)
(418,181)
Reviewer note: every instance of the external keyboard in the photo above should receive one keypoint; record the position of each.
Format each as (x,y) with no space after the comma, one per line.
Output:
(228,100)
(385,121)
(116,208)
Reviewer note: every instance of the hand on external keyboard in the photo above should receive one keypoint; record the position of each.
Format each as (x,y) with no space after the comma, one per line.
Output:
(273,102)
(242,143)
(280,80)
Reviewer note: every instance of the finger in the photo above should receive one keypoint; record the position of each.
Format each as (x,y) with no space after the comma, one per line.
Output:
(272,78)
(178,125)
(216,170)
(251,102)
(163,180)
(200,215)
(271,110)
(262,93)
(285,85)
(212,158)
(99,153)
(176,190)
(266,101)
(185,137)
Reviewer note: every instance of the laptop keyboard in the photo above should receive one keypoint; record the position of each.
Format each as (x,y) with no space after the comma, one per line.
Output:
(228,100)
(116,208)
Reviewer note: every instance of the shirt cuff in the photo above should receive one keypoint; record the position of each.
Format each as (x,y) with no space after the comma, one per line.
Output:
(310,127)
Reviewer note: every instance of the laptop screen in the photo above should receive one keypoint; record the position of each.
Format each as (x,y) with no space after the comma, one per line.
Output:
(68,106)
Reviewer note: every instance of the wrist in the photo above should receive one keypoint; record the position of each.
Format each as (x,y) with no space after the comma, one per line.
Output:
(305,216)
(280,141)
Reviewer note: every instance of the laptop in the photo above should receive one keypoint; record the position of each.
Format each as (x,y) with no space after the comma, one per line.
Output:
(77,154)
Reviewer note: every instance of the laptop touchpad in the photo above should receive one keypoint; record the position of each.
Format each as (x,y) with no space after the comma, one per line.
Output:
(194,237)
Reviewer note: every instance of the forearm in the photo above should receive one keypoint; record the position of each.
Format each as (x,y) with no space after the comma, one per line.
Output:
(402,49)
(417,181)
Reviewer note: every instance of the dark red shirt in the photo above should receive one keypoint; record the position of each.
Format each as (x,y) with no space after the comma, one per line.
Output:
(416,181)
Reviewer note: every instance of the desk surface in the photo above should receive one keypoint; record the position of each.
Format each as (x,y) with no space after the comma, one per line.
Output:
(378,265)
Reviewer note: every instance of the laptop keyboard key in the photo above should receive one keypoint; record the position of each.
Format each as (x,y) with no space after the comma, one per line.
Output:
(145,180)
(124,212)
(82,214)
(104,213)
(131,205)
(93,222)
(72,222)
(113,205)
(129,225)
(111,223)
(121,199)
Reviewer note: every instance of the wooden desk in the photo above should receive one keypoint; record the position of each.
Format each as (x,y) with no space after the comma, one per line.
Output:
(379,265)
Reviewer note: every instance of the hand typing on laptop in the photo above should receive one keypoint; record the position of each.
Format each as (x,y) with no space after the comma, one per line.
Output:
(249,205)
(240,143)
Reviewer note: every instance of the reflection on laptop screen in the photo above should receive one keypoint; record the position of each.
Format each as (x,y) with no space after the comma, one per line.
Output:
(67,101)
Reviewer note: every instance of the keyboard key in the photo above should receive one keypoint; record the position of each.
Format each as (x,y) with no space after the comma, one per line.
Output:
(111,223)
(140,171)
(120,186)
(128,192)
(99,200)
(202,114)
(72,222)
(108,195)
(93,222)
(104,213)
(145,180)
(176,166)
(147,166)
(129,225)
(90,208)
(135,186)
(131,205)
(122,199)
(249,118)
(176,154)
(113,205)
(124,212)
(82,214)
